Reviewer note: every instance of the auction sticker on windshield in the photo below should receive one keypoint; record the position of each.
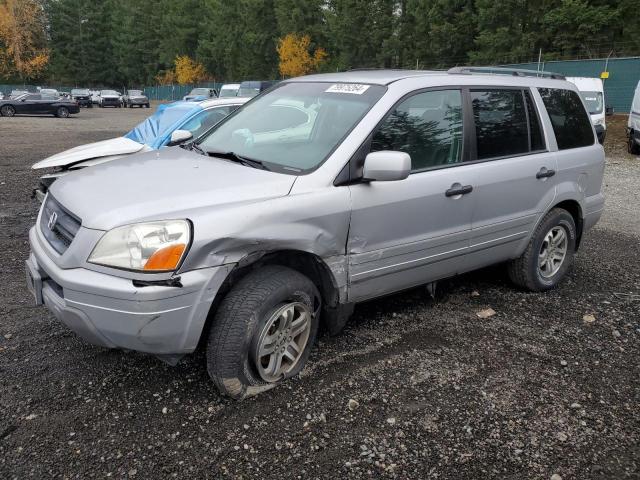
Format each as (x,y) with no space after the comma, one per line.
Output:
(355,88)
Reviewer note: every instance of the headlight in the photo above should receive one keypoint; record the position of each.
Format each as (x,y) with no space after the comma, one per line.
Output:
(599,121)
(150,247)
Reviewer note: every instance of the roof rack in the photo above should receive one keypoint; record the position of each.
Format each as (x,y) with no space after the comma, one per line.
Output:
(516,72)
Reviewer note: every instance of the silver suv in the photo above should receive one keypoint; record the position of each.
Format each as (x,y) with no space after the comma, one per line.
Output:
(323,192)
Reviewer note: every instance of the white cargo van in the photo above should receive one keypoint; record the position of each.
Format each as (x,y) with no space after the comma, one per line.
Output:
(592,92)
(633,127)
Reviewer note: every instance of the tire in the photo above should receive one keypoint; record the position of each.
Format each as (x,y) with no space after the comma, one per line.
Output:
(146,105)
(62,112)
(7,111)
(526,271)
(632,147)
(253,314)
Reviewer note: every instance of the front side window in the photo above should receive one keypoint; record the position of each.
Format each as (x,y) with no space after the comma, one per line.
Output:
(293,128)
(500,123)
(427,126)
(571,123)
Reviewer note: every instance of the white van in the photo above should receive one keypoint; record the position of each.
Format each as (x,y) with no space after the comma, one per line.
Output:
(592,92)
(633,127)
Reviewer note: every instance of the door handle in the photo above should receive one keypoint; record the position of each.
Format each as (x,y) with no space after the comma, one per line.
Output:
(544,173)
(457,189)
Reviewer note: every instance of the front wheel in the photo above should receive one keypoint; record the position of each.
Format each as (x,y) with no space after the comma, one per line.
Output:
(62,112)
(263,331)
(549,253)
(7,111)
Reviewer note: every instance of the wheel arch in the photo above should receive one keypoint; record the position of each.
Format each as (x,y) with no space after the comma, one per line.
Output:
(322,272)
(574,208)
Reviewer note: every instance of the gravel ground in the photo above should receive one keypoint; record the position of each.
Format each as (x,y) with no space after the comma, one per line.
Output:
(413,388)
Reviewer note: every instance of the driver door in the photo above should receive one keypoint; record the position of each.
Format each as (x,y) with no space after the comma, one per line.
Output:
(410,232)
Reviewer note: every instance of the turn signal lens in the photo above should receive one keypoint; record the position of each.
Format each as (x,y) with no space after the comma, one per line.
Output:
(166,258)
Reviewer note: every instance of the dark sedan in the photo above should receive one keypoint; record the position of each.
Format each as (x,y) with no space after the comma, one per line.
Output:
(35,104)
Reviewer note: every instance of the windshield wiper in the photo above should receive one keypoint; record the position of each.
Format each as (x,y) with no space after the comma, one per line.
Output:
(234,157)
(193,146)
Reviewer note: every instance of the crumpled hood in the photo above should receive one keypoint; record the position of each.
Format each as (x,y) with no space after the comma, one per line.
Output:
(162,184)
(113,146)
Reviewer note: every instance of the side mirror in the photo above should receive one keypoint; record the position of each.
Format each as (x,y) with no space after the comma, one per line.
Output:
(386,166)
(609,110)
(179,136)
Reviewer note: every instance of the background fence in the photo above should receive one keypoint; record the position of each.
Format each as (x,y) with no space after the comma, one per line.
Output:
(624,74)
(158,92)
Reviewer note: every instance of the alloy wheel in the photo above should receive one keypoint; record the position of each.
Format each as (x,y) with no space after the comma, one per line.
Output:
(282,341)
(552,252)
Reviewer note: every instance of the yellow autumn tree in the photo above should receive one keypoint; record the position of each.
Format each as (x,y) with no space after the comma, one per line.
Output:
(295,58)
(188,70)
(166,77)
(23,49)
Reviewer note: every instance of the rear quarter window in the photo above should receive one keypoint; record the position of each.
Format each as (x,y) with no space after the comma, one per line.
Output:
(569,119)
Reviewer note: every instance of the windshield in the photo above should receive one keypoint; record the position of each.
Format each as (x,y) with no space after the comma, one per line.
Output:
(200,91)
(135,92)
(228,92)
(594,101)
(248,92)
(108,92)
(294,127)
(79,91)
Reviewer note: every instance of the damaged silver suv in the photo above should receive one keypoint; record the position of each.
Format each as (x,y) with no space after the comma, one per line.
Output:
(322,192)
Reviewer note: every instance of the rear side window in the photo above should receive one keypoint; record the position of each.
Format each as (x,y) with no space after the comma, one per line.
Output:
(570,121)
(501,123)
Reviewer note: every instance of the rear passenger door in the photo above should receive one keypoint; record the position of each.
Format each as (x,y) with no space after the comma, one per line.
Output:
(514,172)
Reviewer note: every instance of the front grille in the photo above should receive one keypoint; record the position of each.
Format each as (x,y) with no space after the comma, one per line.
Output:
(58,225)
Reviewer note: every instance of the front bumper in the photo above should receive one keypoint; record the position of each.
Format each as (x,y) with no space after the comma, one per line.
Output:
(111,312)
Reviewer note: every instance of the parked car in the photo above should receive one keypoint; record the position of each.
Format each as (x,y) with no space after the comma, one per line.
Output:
(248,238)
(251,88)
(49,91)
(17,93)
(82,96)
(136,98)
(110,98)
(633,125)
(229,90)
(153,133)
(95,97)
(37,104)
(592,92)
(199,94)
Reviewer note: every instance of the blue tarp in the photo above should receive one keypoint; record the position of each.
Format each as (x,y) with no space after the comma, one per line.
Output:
(156,129)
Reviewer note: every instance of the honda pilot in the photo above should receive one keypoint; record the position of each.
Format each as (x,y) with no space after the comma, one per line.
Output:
(325,191)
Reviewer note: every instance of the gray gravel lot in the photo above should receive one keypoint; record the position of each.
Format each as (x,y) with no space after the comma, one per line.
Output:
(530,392)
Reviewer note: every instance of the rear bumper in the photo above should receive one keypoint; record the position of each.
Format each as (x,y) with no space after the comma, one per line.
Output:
(160,320)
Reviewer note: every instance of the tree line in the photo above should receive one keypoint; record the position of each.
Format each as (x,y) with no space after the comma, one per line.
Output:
(137,42)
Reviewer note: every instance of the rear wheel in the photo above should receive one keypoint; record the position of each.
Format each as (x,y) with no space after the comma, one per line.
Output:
(632,147)
(263,331)
(7,111)
(146,105)
(62,112)
(549,254)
